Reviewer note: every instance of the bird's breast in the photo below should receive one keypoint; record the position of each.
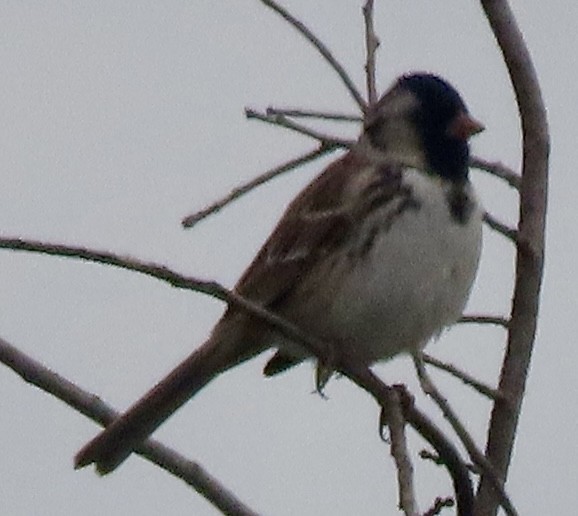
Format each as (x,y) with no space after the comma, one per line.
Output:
(408,274)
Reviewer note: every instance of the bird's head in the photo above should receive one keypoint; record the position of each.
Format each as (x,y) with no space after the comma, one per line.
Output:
(422,121)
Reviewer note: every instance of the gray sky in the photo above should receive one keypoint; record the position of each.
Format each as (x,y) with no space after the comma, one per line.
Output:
(119,118)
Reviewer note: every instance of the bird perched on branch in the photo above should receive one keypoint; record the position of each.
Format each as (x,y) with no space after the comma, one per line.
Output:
(374,258)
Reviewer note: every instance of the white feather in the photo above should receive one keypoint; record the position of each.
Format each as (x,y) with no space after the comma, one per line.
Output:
(414,281)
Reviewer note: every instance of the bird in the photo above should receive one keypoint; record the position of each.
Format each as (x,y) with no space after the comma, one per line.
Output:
(375,257)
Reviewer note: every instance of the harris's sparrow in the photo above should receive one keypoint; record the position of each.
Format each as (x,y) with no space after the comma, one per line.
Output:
(377,255)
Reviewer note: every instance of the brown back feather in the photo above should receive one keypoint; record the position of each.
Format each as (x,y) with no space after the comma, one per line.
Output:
(314,223)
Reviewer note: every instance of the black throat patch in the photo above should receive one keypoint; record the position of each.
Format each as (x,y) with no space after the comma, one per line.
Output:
(459,203)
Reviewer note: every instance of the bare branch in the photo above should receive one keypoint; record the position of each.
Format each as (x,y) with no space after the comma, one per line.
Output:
(282,121)
(427,455)
(485,319)
(505,230)
(367,380)
(530,255)
(400,454)
(464,377)
(92,407)
(190,220)
(348,366)
(450,458)
(163,273)
(323,50)
(311,113)
(278,116)
(530,246)
(371,46)
(497,169)
(477,457)
(439,505)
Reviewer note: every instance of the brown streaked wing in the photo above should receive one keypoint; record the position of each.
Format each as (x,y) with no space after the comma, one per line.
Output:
(313,224)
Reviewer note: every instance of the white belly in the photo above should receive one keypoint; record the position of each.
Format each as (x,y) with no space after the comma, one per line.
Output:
(414,281)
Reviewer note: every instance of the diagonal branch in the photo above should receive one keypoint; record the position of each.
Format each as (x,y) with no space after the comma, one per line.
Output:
(467,378)
(92,407)
(497,169)
(466,439)
(282,121)
(167,275)
(190,220)
(322,49)
(311,113)
(505,230)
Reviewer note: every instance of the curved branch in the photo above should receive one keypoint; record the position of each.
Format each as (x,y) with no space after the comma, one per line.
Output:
(94,408)
(530,246)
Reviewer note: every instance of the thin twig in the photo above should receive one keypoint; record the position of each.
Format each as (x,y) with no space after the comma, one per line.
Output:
(451,458)
(310,113)
(277,116)
(505,230)
(466,439)
(282,121)
(323,50)
(485,319)
(190,220)
(371,45)
(94,408)
(439,505)
(436,459)
(400,454)
(497,169)
(530,246)
(464,377)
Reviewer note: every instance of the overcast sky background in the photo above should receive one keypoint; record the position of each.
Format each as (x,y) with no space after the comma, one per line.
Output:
(119,118)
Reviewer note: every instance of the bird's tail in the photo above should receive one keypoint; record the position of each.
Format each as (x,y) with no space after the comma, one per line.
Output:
(113,445)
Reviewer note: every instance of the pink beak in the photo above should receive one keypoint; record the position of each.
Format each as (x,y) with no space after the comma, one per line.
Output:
(463,126)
